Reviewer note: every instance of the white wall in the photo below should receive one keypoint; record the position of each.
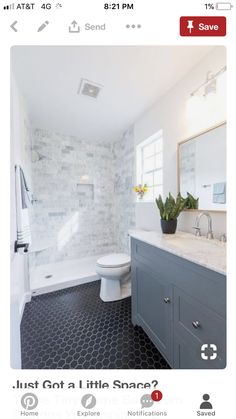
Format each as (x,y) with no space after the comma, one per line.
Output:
(170,114)
(19,265)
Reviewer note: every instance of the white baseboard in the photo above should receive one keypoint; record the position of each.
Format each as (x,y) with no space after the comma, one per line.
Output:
(25,299)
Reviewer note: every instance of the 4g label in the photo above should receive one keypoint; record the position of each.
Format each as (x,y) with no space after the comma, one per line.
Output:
(46,6)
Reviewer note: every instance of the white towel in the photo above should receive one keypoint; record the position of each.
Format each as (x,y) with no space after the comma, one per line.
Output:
(219,193)
(22,210)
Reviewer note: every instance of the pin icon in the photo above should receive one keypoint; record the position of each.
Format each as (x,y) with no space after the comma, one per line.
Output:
(190,25)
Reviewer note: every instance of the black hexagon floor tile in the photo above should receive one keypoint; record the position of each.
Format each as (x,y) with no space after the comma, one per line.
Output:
(74,329)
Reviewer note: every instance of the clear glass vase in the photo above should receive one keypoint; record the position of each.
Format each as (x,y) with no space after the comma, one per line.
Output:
(140,197)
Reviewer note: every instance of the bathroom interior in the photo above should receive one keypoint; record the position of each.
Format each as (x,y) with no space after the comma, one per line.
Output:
(98,134)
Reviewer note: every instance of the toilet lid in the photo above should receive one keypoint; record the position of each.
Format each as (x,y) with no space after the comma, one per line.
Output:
(114,260)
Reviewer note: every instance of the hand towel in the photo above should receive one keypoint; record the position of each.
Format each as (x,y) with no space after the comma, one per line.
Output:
(22,208)
(219,193)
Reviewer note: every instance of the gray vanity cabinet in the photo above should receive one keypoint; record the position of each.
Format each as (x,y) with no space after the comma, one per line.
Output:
(152,307)
(180,305)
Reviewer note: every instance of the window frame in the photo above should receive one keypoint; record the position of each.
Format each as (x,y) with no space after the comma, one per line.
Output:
(140,160)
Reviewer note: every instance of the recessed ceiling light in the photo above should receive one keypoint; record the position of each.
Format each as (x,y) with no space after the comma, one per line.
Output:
(89,88)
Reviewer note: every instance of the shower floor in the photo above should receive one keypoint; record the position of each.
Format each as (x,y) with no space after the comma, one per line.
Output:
(60,275)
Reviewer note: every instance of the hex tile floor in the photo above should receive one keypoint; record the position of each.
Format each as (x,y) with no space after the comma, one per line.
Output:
(74,329)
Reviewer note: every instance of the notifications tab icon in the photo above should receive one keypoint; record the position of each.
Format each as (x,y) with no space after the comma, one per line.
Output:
(203,26)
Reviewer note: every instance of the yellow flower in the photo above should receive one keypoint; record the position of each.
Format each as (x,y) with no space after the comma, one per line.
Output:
(141,189)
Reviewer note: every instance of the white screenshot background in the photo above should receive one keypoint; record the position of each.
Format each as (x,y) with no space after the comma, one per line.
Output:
(182,389)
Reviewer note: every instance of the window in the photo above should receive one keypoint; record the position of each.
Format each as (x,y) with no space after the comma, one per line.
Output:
(150,165)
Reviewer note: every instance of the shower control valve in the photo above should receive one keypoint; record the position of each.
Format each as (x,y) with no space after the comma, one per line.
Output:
(167,300)
(196,324)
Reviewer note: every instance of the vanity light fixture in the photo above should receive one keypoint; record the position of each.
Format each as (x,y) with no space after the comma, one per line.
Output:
(209,85)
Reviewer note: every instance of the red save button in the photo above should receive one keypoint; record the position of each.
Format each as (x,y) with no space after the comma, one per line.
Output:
(203,26)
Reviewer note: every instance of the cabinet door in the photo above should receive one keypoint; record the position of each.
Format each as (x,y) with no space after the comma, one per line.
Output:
(152,303)
(200,340)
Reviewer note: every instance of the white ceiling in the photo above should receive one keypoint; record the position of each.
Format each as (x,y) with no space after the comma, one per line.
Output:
(133,78)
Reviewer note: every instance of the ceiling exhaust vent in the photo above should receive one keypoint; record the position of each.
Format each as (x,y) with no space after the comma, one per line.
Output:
(89,88)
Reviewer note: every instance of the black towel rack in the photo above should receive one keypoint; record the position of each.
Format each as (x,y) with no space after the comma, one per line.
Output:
(20,246)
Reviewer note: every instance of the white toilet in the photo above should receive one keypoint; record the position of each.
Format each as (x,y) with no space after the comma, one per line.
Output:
(115,273)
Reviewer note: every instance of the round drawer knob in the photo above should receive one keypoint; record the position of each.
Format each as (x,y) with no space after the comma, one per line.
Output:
(167,300)
(196,324)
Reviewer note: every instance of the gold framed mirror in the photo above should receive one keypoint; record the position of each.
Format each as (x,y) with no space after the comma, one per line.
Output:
(202,167)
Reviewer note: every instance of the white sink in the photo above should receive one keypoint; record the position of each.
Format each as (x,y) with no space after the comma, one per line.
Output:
(193,242)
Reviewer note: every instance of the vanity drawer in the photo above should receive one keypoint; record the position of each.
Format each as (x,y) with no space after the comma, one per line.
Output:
(198,325)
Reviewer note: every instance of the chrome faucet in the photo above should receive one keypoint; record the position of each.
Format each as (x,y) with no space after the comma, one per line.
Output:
(197,226)
(223,238)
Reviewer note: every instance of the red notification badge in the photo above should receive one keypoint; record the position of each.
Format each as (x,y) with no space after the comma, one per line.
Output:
(156,395)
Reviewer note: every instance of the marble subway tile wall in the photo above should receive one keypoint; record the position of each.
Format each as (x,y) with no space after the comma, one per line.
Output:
(73,183)
(124,180)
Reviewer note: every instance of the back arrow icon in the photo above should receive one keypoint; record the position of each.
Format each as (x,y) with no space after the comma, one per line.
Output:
(13,26)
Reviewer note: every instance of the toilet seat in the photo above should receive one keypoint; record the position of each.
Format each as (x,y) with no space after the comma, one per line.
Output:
(112,272)
(114,260)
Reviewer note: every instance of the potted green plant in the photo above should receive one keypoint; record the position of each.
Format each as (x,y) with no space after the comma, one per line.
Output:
(169,211)
(191,202)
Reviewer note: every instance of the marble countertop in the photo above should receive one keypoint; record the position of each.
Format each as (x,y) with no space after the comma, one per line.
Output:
(208,253)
